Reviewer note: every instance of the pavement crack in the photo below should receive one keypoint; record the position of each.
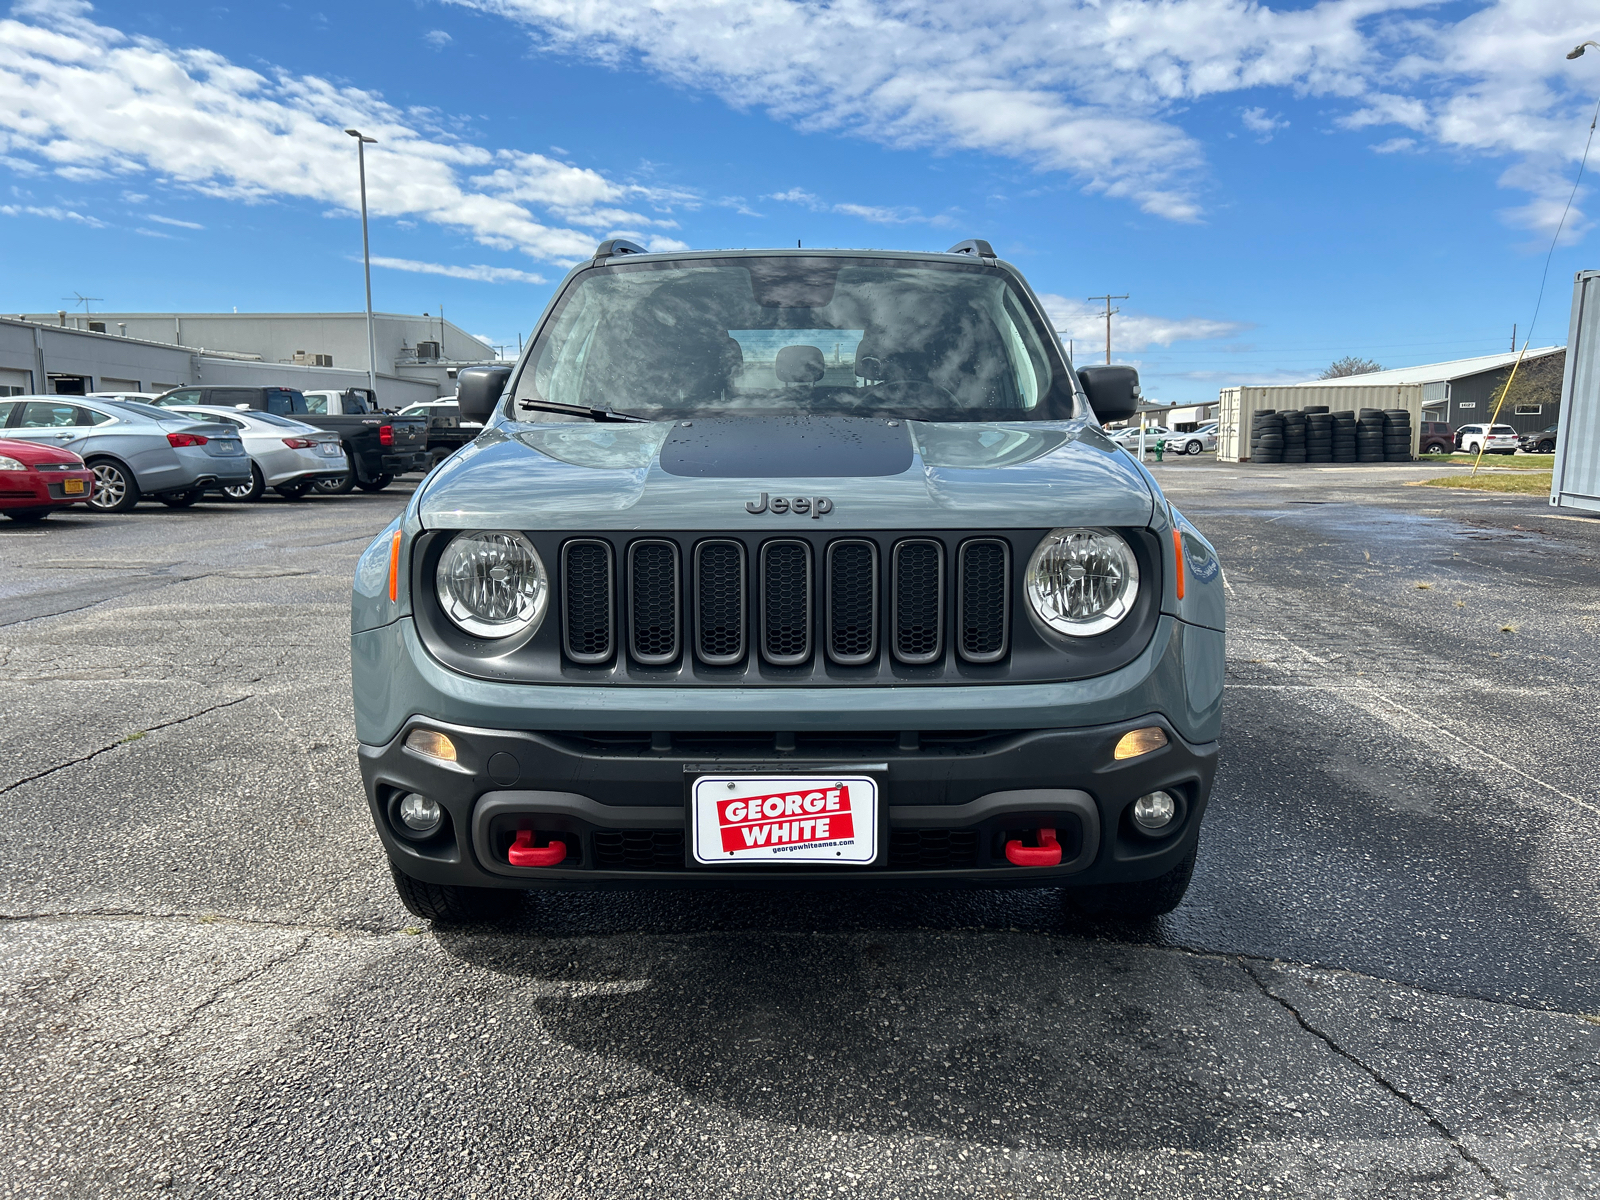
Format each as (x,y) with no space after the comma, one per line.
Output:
(1382,1081)
(122,741)
(225,989)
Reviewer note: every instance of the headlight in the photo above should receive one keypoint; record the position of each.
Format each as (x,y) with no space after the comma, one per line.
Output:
(10,464)
(492,584)
(1082,581)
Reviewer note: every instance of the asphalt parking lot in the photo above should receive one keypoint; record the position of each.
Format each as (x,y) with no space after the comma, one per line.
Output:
(1385,980)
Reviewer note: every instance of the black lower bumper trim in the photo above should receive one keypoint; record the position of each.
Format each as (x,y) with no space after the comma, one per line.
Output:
(949,814)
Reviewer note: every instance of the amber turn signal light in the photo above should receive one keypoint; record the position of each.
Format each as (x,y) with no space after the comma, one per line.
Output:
(1139,741)
(436,745)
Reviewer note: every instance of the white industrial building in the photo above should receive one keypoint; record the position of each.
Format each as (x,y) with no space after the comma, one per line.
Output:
(67,353)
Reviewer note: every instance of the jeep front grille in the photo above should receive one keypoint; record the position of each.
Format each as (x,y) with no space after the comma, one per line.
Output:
(824,603)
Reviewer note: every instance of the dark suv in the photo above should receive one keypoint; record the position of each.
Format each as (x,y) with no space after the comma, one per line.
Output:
(1542,441)
(1435,437)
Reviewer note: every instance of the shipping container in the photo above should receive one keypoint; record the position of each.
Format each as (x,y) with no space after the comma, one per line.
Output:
(1237,405)
(1575,482)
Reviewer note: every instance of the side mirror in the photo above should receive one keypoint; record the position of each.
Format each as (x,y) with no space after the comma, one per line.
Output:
(1113,391)
(478,390)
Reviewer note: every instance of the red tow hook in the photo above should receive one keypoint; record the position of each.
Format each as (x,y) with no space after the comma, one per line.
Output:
(1046,854)
(524,853)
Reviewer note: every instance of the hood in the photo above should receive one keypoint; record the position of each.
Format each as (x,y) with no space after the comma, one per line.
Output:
(33,453)
(721,473)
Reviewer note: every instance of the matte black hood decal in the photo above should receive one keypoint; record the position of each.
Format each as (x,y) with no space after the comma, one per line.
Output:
(791,447)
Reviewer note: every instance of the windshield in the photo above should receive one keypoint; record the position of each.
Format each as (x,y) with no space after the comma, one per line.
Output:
(847,336)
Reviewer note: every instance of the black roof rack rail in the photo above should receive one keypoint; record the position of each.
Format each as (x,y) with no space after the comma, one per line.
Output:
(615,246)
(975,246)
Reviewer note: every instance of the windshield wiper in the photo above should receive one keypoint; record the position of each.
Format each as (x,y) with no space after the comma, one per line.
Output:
(580,410)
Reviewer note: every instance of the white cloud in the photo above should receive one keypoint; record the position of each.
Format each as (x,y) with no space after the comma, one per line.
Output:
(79,98)
(1085,323)
(480,273)
(52,213)
(1395,145)
(877,214)
(1101,88)
(437,39)
(1258,122)
(172,221)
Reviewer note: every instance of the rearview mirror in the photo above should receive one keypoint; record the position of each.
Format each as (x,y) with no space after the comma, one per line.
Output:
(478,390)
(1113,391)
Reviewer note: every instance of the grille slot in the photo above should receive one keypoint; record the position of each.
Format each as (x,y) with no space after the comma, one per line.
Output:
(918,596)
(983,599)
(588,610)
(653,601)
(719,603)
(638,849)
(852,602)
(932,849)
(786,603)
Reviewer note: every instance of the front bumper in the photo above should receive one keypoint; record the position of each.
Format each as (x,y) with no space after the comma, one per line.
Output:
(43,489)
(951,802)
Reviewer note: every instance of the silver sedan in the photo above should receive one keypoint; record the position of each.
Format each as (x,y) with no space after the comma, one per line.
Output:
(285,455)
(133,449)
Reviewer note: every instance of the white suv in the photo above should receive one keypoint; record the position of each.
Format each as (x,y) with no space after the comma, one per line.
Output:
(1491,439)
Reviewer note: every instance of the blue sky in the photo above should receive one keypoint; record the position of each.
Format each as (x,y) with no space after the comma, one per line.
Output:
(1273,187)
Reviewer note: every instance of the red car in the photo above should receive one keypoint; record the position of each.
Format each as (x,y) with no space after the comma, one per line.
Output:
(36,480)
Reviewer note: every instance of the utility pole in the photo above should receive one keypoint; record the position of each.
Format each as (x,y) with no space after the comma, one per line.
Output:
(1513,337)
(362,142)
(1110,312)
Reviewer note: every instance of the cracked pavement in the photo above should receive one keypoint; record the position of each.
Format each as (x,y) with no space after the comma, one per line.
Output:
(1384,981)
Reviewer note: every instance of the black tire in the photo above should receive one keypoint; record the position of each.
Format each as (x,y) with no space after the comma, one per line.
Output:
(115,483)
(376,484)
(447,904)
(1546,448)
(248,493)
(292,491)
(343,485)
(28,516)
(1194,447)
(1137,901)
(1435,448)
(186,499)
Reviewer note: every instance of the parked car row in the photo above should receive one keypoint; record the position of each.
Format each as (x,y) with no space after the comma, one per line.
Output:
(1194,441)
(109,450)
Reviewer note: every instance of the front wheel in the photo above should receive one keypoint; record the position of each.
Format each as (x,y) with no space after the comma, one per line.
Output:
(115,489)
(248,492)
(1433,448)
(1138,901)
(376,484)
(1546,447)
(448,904)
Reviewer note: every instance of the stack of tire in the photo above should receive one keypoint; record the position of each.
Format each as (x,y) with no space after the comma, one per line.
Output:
(1294,437)
(1396,435)
(1344,436)
(1319,434)
(1370,427)
(1266,437)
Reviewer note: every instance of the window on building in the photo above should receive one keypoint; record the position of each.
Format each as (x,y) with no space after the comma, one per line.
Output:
(1529,410)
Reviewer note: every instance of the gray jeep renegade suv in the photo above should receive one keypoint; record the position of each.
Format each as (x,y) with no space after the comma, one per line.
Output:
(790,568)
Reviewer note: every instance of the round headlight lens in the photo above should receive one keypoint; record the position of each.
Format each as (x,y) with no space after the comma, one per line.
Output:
(492,584)
(1082,581)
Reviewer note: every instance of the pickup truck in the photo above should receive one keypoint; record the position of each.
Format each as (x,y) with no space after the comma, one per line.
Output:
(790,568)
(447,431)
(377,446)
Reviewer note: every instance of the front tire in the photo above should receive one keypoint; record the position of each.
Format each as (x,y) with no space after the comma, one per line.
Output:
(448,904)
(376,484)
(1194,447)
(1141,900)
(248,493)
(115,489)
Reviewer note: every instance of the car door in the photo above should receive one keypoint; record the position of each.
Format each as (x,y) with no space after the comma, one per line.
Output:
(54,423)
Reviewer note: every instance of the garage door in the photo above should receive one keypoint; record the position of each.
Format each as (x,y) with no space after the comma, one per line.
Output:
(15,383)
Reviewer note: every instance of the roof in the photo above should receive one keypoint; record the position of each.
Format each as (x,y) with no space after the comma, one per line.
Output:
(1430,372)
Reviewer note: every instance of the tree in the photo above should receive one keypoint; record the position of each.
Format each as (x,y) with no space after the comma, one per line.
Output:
(1350,365)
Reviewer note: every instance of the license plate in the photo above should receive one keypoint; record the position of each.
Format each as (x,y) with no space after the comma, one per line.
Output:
(72,487)
(329,449)
(781,819)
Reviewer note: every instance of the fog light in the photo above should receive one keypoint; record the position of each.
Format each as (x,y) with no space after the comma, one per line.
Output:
(1140,741)
(1154,811)
(419,814)
(434,745)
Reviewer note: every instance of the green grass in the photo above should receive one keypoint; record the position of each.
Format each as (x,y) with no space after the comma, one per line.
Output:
(1526,462)
(1531,483)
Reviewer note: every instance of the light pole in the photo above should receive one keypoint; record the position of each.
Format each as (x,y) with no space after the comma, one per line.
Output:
(362,141)
(1577,51)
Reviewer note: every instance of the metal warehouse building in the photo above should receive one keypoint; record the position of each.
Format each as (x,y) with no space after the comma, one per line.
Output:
(1464,392)
(63,353)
